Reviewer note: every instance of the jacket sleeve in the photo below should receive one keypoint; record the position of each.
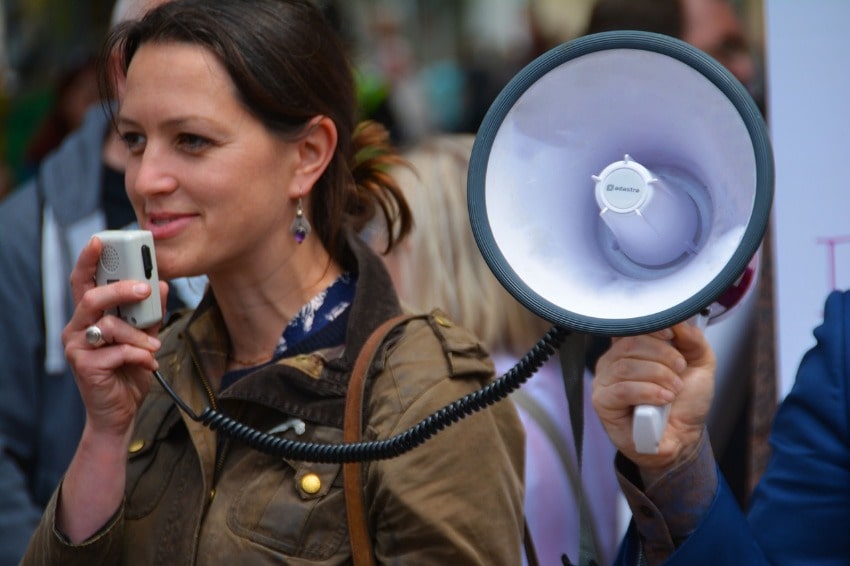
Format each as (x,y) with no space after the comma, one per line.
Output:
(457,498)
(49,546)
(722,537)
(688,517)
(803,499)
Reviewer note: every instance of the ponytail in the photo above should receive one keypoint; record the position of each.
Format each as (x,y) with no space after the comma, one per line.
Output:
(374,186)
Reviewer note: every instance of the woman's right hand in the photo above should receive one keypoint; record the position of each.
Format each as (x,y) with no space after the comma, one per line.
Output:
(113,378)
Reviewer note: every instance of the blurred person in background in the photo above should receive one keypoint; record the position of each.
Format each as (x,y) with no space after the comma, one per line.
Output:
(6,80)
(440,265)
(74,93)
(5,181)
(78,190)
(388,83)
(712,26)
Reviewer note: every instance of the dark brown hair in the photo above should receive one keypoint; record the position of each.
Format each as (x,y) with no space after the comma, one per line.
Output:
(288,66)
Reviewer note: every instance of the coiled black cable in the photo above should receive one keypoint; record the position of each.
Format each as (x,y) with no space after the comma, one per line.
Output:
(391,447)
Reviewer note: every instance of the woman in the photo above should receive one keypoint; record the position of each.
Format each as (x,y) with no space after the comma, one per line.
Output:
(239,118)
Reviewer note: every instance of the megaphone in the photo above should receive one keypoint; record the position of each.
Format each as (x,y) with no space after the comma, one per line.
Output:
(619,184)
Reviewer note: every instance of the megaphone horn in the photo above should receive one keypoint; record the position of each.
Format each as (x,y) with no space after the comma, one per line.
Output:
(620,183)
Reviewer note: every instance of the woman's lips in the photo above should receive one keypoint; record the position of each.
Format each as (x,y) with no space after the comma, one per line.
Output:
(164,226)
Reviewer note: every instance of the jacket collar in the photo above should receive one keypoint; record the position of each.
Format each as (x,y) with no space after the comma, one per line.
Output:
(375,300)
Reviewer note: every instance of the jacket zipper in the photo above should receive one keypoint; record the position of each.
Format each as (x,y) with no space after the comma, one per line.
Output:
(222,449)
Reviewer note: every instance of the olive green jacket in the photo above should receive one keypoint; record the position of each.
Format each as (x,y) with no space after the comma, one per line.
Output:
(193,497)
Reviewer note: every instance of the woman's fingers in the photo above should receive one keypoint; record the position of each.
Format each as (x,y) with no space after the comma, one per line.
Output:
(109,358)
(113,330)
(83,274)
(92,306)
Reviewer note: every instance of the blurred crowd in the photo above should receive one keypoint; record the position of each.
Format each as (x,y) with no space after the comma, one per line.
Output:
(424,66)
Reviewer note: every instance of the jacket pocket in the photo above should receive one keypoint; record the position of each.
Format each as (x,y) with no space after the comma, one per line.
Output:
(159,443)
(295,508)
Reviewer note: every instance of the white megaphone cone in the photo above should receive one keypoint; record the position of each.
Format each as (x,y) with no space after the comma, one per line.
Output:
(619,184)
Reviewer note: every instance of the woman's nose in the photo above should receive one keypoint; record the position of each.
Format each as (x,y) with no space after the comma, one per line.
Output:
(151,172)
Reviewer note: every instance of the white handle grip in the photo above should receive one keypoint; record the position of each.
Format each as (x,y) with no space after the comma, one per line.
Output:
(648,427)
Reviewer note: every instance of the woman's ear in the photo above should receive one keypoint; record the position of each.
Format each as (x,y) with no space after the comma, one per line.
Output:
(315,151)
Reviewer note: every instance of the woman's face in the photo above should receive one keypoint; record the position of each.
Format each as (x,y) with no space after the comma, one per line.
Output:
(209,181)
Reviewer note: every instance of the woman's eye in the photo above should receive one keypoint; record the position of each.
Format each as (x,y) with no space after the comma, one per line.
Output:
(192,143)
(134,142)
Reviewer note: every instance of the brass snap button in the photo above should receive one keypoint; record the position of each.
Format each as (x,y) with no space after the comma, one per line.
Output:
(311,483)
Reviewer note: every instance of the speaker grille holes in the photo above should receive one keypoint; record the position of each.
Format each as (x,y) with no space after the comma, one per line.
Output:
(110,259)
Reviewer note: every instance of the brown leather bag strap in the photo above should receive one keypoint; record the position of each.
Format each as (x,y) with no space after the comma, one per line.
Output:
(358,530)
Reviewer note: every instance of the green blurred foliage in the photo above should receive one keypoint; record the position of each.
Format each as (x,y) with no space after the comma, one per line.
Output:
(43,39)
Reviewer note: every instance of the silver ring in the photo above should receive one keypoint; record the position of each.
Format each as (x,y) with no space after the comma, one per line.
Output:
(94,336)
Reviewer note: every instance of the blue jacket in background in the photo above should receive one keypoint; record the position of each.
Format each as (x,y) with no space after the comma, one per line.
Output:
(41,414)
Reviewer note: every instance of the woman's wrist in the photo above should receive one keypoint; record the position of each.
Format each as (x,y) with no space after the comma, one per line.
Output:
(93,487)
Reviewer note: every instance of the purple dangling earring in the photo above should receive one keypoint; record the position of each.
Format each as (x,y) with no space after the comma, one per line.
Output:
(300,227)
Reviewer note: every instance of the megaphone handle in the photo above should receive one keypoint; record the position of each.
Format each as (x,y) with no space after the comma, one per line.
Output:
(648,427)
(649,421)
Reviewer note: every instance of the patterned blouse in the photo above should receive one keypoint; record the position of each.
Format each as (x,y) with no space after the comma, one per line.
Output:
(321,323)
